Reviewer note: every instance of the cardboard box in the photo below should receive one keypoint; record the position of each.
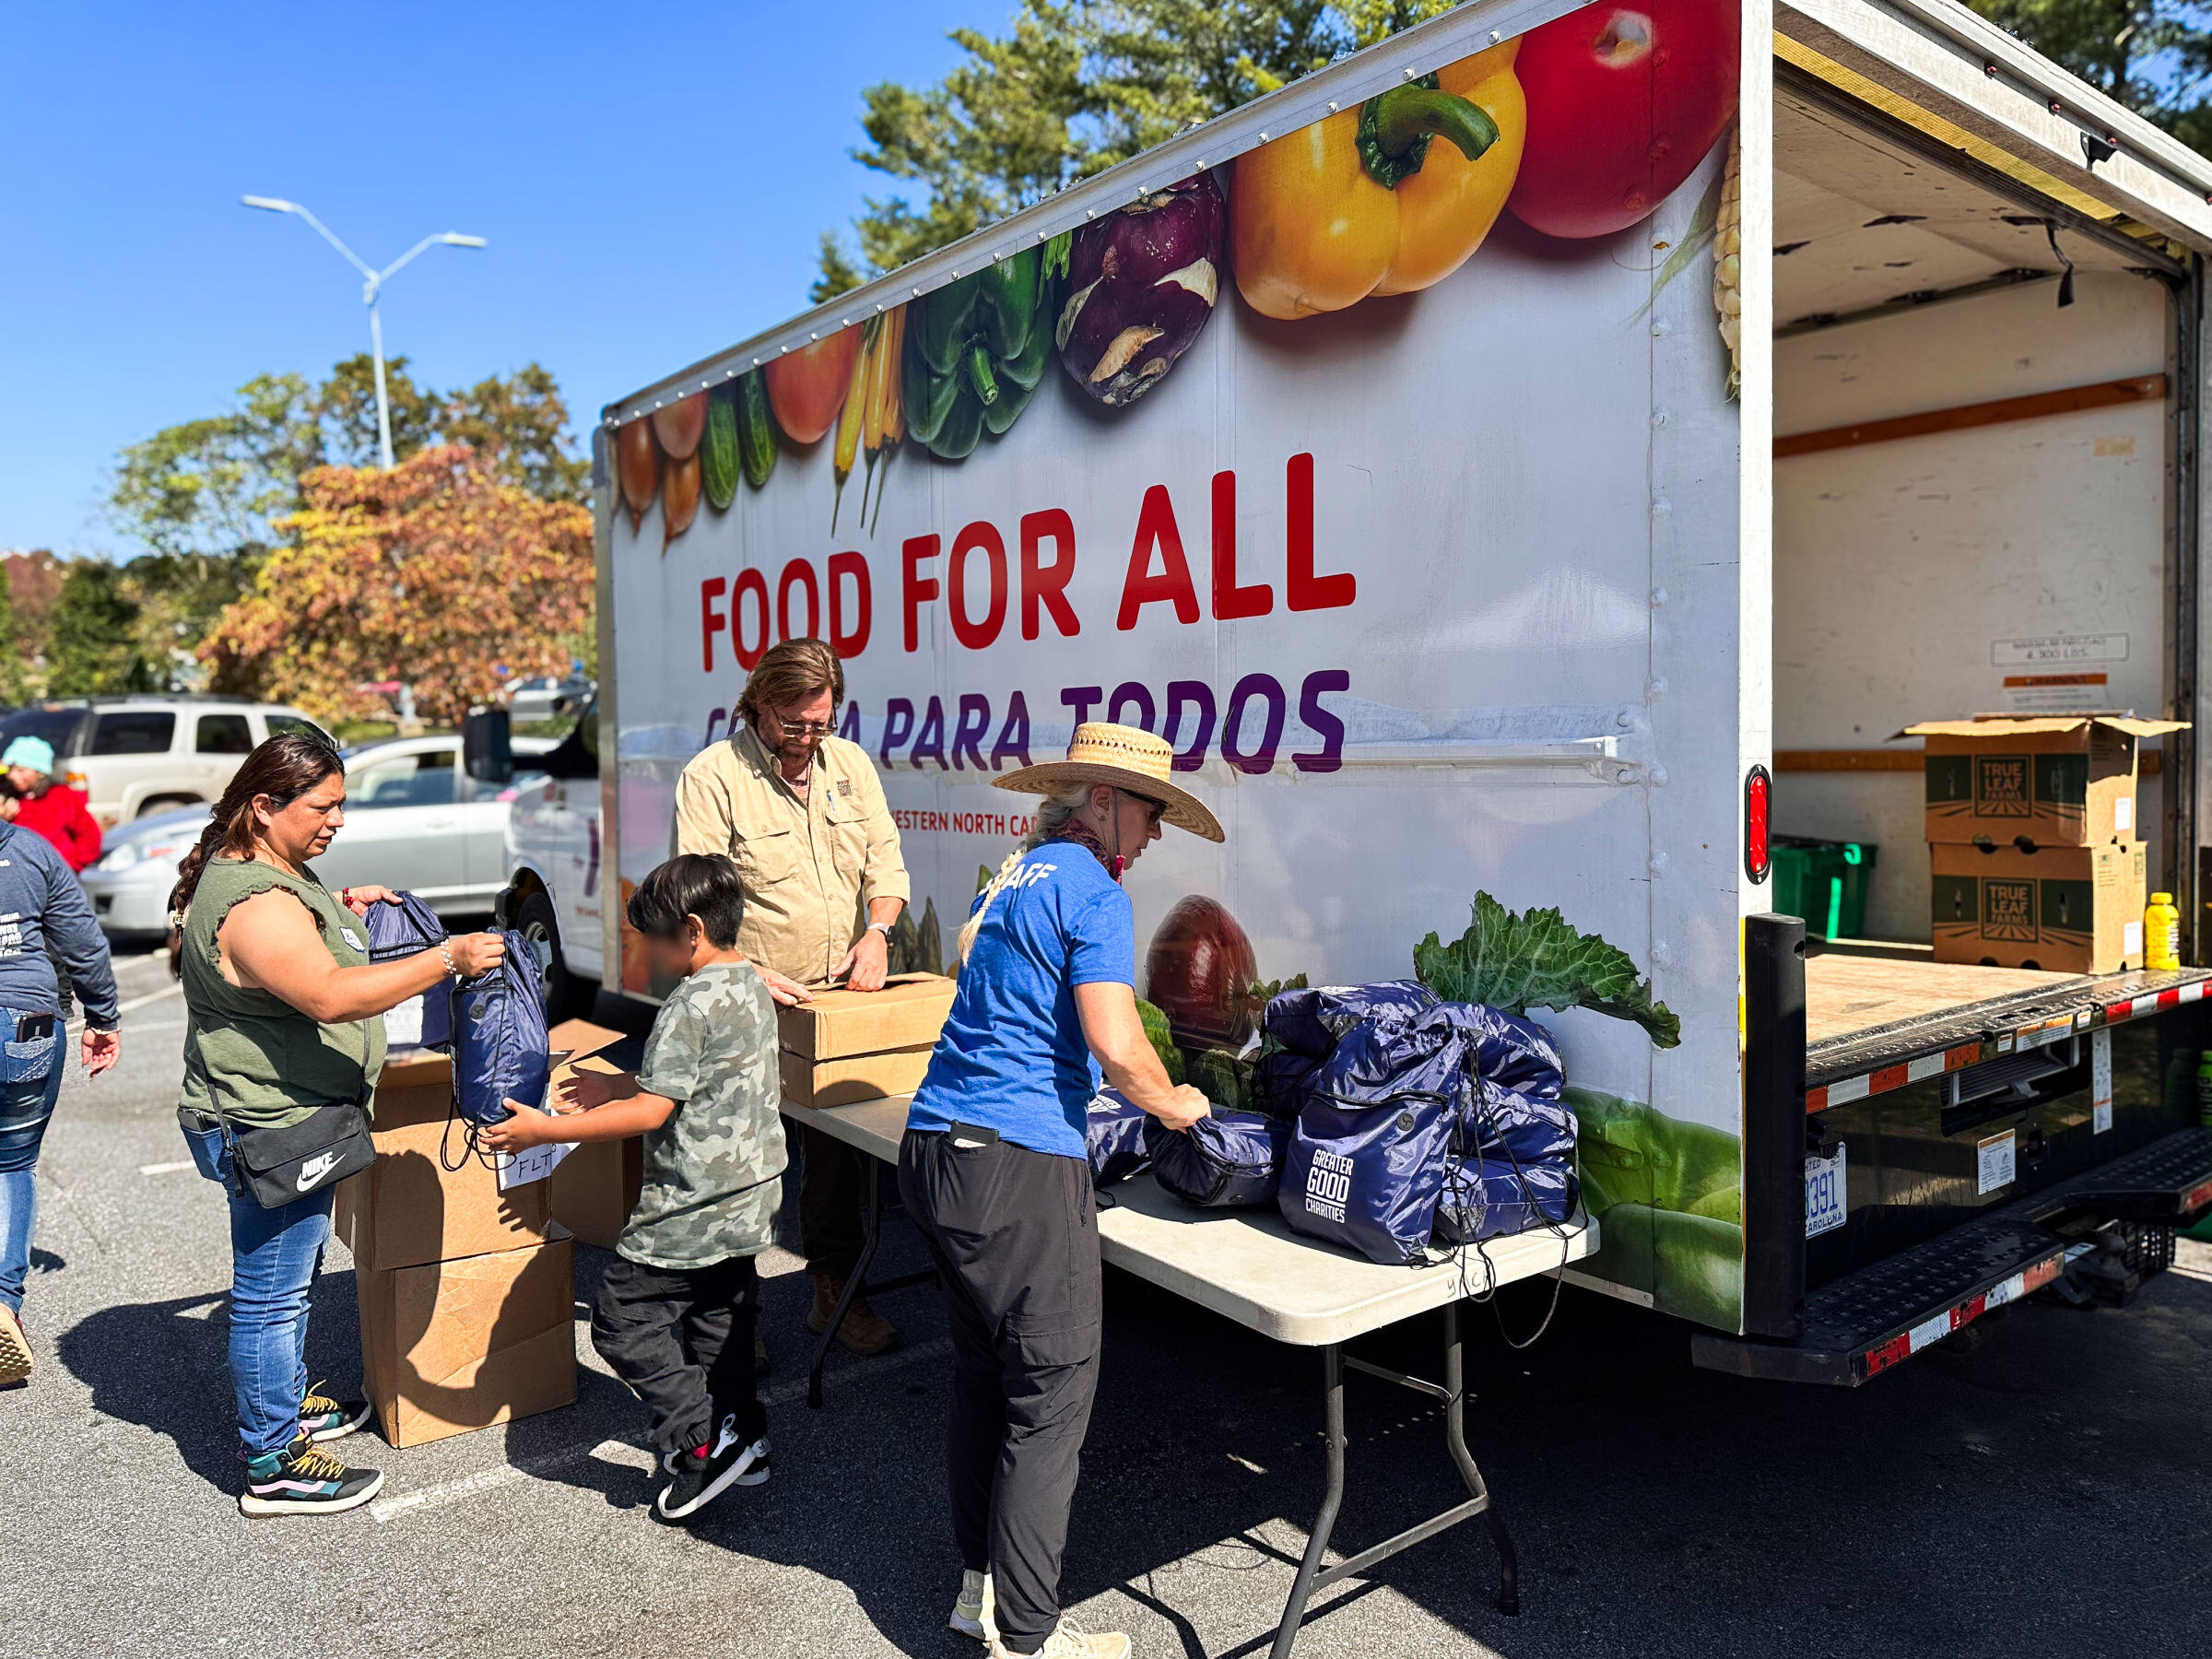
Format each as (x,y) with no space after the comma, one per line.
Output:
(907,1013)
(841,1082)
(2056,781)
(407,1208)
(448,1347)
(413,1088)
(597,1187)
(2066,910)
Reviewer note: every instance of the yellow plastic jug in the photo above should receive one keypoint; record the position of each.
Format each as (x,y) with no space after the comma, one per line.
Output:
(2161,933)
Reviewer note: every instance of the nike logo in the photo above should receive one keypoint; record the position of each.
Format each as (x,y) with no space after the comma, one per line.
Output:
(314,1168)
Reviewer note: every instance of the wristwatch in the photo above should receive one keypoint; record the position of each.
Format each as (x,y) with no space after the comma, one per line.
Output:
(882,927)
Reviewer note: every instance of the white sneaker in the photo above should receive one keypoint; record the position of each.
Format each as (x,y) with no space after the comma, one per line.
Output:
(1066,1642)
(972,1615)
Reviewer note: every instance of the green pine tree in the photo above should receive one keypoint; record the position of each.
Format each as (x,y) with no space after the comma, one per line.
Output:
(91,644)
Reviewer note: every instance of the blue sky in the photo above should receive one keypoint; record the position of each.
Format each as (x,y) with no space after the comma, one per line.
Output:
(653,180)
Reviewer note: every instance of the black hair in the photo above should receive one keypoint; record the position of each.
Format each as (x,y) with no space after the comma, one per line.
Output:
(692,884)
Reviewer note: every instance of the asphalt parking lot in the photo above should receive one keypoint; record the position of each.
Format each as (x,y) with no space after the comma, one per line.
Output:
(2035,1485)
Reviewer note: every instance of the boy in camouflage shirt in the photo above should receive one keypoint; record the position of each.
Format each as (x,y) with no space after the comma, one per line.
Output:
(677,1308)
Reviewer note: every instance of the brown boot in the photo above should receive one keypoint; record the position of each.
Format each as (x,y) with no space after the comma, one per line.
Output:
(866,1332)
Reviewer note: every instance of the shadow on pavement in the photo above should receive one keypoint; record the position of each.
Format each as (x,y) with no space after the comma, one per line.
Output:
(165,1365)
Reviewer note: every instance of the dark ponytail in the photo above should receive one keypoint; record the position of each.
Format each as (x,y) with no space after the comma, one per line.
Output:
(284,769)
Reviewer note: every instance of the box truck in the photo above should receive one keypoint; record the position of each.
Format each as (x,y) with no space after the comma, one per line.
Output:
(1529,465)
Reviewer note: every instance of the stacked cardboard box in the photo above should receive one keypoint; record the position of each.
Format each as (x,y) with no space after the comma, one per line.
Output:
(861,1046)
(2032,830)
(595,1186)
(465,1291)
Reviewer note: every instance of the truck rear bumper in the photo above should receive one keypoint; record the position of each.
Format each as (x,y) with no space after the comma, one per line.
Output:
(1866,1321)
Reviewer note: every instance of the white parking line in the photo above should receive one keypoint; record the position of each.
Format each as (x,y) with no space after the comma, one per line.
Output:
(151,996)
(625,1453)
(164,1169)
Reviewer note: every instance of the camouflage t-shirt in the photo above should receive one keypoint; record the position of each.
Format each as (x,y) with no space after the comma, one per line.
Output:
(711,1186)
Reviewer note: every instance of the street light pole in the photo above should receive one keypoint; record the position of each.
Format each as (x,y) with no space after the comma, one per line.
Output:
(372,283)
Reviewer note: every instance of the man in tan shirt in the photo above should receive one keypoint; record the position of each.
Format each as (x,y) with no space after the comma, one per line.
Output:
(801,814)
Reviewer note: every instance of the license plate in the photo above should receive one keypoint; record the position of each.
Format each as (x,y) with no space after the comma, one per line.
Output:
(1825,1197)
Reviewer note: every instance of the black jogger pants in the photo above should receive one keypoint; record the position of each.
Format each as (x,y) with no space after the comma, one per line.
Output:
(684,1342)
(1015,1237)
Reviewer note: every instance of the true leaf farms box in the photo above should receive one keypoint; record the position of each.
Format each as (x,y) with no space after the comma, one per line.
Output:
(2054,781)
(846,1046)
(2066,909)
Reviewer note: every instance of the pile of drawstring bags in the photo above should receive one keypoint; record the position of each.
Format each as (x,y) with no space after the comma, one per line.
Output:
(1386,1117)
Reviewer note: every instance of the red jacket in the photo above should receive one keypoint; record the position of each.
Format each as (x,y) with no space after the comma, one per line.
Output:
(60,816)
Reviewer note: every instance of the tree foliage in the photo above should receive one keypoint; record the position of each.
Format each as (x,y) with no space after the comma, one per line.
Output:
(1071,88)
(211,486)
(14,684)
(435,571)
(214,486)
(91,645)
(2153,55)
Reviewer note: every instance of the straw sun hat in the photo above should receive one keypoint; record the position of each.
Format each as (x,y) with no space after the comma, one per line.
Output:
(1126,757)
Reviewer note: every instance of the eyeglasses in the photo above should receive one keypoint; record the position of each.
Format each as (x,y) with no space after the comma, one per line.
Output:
(1158,811)
(800,728)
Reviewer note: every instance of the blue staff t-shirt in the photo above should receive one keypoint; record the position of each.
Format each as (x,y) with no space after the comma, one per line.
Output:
(1012,1057)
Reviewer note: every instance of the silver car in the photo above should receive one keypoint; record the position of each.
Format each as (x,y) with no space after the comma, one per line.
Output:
(413,820)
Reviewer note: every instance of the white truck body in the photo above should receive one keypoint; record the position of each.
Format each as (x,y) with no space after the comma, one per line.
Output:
(1540,601)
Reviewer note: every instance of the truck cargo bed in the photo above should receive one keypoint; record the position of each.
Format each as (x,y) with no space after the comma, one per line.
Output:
(1880,1017)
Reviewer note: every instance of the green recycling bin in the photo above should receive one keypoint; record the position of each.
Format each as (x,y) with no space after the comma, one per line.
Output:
(1824,882)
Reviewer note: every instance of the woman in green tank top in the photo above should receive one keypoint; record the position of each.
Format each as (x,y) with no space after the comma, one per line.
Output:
(284,1014)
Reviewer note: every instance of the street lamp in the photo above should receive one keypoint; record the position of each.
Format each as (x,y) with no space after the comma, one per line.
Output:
(373,284)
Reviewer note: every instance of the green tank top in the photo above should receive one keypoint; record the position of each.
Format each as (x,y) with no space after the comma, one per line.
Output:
(262,1061)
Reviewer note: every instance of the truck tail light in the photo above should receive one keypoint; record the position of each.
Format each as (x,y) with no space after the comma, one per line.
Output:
(1758,789)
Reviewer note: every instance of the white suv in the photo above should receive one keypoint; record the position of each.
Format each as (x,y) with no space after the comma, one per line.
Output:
(141,753)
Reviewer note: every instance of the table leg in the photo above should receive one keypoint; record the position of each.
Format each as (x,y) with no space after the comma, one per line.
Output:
(1456,1439)
(1317,1545)
(853,1281)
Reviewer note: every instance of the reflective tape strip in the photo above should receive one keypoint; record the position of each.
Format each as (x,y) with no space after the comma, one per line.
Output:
(1932,1330)
(1851,1088)
(2197,1196)
(1815,1100)
(1959,1059)
(1937,1326)
(1927,1066)
(2193,991)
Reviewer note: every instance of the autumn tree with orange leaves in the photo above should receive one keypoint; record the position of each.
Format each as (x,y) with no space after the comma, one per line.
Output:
(432,573)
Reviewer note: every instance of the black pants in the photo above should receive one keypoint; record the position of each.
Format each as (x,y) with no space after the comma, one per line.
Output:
(684,1342)
(829,1223)
(1015,1237)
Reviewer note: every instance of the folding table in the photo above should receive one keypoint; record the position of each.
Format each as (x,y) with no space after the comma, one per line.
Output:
(1248,1267)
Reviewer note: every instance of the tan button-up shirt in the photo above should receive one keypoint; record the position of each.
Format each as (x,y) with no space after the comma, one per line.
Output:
(810,864)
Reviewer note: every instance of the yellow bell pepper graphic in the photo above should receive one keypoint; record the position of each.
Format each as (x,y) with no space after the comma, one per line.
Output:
(1383,199)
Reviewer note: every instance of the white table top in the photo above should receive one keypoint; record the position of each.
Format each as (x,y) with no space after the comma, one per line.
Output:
(1246,1265)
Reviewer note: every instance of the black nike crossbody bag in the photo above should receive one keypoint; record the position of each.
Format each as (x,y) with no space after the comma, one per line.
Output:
(282,1166)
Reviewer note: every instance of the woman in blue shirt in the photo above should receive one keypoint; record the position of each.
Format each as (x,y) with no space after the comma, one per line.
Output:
(993,1172)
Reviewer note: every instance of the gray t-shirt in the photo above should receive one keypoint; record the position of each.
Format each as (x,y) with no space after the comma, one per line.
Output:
(711,1186)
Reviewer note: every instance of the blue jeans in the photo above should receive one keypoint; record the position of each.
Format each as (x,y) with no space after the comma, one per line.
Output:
(31,1081)
(274,1256)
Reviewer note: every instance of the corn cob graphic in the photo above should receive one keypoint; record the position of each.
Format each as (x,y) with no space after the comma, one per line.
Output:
(1727,264)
